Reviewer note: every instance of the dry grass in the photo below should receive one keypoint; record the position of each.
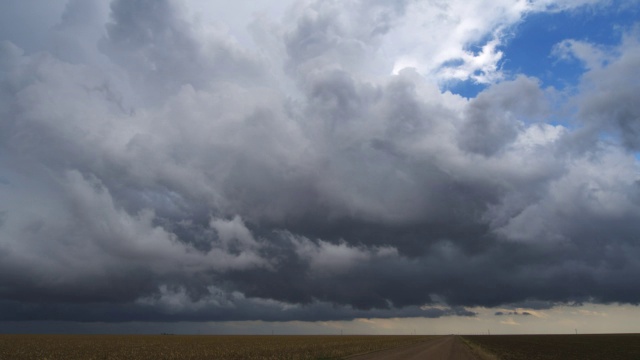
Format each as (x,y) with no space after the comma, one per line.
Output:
(565,347)
(138,347)
(480,352)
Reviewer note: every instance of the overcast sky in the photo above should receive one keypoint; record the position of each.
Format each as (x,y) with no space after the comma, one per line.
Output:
(314,165)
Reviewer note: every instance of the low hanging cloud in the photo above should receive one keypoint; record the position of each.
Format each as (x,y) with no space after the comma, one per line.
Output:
(512,313)
(152,169)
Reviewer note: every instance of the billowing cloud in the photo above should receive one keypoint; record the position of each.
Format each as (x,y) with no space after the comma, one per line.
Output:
(153,168)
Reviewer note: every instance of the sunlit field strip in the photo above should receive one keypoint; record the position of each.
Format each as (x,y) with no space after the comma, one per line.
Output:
(112,347)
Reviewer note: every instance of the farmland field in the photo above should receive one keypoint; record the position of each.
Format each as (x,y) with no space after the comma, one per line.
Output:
(139,347)
(565,347)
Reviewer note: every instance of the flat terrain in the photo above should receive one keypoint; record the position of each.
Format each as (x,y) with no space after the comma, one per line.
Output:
(565,347)
(140,347)
(442,348)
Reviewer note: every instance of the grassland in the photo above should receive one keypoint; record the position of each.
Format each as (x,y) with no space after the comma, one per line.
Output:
(139,347)
(556,347)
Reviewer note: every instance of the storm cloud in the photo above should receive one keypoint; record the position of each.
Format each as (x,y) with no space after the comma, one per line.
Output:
(153,168)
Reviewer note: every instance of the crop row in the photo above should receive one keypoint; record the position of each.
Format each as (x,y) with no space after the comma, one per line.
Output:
(138,347)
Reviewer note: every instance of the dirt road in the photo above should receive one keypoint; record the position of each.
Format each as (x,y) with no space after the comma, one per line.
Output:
(444,348)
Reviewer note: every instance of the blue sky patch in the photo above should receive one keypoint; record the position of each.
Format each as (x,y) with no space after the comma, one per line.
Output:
(529,51)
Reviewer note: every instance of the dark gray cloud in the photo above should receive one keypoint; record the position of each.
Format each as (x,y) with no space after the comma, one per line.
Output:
(608,95)
(160,172)
(512,313)
(237,309)
(496,117)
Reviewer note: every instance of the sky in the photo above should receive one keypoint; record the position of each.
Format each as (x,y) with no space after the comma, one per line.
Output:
(311,167)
